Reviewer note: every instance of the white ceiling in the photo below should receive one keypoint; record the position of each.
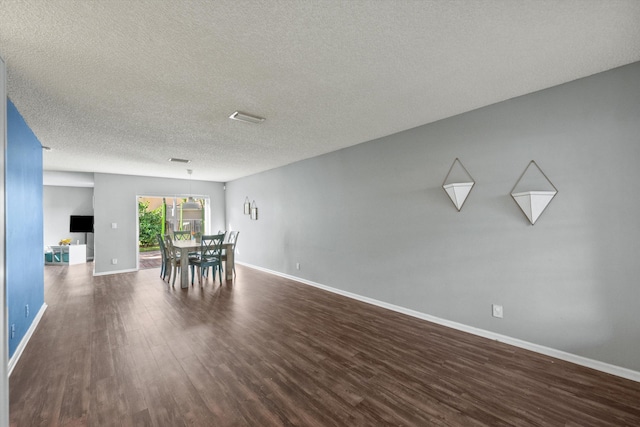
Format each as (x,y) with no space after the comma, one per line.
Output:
(119,86)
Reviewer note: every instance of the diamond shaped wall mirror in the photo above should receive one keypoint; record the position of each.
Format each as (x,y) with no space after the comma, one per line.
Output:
(533,192)
(458,184)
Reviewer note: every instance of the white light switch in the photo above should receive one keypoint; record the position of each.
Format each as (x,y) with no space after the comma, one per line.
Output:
(114,225)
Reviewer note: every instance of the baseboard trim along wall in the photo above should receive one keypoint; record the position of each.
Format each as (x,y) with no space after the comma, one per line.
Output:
(25,340)
(558,354)
(106,273)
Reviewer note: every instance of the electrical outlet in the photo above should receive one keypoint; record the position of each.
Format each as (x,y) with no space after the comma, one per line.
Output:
(497,310)
(114,261)
(13,330)
(26,310)
(297,266)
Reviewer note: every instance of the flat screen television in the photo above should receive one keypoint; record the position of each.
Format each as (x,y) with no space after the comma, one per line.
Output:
(81,224)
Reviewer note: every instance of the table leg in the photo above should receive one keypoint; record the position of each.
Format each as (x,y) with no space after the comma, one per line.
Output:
(184,268)
(228,264)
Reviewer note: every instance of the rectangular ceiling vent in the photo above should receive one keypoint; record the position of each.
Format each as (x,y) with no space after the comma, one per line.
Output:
(174,159)
(247,118)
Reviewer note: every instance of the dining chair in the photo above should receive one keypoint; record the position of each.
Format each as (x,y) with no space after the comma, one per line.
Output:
(233,239)
(182,235)
(210,254)
(165,256)
(173,258)
(206,270)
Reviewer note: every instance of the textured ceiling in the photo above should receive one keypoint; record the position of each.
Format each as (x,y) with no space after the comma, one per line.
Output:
(120,86)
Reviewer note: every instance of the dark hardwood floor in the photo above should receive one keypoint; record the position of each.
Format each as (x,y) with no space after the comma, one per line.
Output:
(130,350)
(151,259)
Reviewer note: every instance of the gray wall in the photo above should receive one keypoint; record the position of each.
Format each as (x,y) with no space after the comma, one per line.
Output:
(58,204)
(116,202)
(373,219)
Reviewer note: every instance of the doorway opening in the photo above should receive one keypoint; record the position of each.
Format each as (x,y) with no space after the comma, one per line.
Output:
(161,215)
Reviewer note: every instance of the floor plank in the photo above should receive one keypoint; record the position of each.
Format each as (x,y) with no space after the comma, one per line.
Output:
(129,349)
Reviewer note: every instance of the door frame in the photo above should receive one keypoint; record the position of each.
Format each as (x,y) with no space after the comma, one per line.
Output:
(175,197)
(4,336)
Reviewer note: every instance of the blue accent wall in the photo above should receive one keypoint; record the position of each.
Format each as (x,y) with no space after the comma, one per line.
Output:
(24,234)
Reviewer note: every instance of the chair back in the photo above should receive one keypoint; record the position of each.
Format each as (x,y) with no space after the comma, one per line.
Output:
(211,246)
(171,250)
(182,235)
(224,233)
(233,238)
(163,250)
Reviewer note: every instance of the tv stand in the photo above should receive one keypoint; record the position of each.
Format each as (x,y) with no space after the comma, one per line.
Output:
(67,255)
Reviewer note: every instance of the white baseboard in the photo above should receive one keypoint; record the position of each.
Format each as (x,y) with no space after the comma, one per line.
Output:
(548,351)
(25,340)
(105,273)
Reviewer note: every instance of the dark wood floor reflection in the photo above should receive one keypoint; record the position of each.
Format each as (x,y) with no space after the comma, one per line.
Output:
(264,351)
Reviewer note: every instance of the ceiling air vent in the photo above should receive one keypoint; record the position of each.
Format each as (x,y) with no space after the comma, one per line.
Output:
(174,159)
(248,118)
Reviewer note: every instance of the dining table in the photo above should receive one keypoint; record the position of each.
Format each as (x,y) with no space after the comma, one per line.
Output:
(186,246)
